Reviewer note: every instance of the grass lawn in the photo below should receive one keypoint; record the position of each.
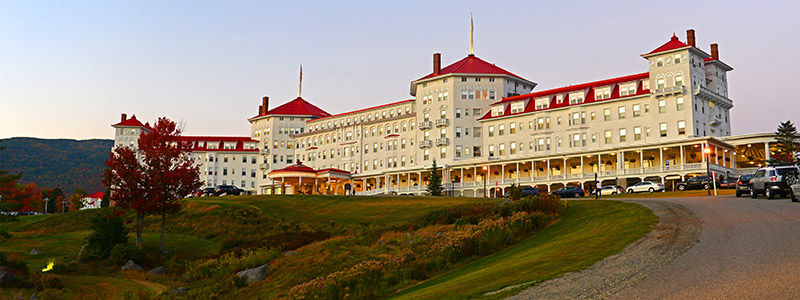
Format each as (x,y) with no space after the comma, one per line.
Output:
(587,233)
(321,210)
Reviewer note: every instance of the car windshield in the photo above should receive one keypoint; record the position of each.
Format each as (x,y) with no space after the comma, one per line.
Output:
(746,177)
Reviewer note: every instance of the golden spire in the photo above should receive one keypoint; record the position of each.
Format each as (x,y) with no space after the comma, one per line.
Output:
(300,84)
(471,52)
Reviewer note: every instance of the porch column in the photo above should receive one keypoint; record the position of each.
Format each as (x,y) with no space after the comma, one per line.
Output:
(533,169)
(474,174)
(564,168)
(599,164)
(641,159)
(661,158)
(581,165)
(461,179)
(517,173)
(703,153)
(299,184)
(548,171)
(683,161)
(766,152)
(502,172)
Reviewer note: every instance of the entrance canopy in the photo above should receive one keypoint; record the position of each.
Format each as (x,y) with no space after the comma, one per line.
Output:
(301,179)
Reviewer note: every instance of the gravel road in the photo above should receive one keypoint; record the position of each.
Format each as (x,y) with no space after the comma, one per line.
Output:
(747,249)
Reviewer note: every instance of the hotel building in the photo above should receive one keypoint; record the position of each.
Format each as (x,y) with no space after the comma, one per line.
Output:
(488,127)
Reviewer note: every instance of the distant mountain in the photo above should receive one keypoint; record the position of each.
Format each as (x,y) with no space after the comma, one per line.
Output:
(57,163)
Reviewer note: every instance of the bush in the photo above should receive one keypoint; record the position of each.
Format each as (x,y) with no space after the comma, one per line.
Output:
(50,281)
(13,264)
(4,234)
(515,192)
(107,232)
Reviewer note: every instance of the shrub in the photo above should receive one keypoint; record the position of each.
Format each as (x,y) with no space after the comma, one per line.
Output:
(4,234)
(228,263)
(13,264)
(107,232)
(515,192)
(50,281)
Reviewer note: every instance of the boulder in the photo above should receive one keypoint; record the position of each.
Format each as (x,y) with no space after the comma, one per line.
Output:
(178,290)
(290,253)
(255,274)
(131,265)
(6,279)
(158,270)
(35,252)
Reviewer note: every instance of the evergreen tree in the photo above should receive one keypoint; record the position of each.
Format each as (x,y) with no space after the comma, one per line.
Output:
(786,139)
(435,182)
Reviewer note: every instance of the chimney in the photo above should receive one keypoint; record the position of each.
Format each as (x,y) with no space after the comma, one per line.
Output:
(124,117)
(690,37)
(714,51)
(265,104)
(437,63)
(260,110)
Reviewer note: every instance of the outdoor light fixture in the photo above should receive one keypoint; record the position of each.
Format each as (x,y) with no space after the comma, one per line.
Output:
(707,151)
(485,169)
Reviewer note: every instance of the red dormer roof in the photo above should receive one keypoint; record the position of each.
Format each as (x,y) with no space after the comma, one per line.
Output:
(674,43)
(132,122)
(588,97)
(471,65)
(297,107)
(98,195)
(200,143)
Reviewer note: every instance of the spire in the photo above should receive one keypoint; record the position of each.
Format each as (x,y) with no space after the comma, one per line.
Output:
(300,84)
(471,52)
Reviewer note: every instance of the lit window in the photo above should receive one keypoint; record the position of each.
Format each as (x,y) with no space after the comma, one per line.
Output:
(608,136)
(637,133)
(621,111)
(623,135)
(679,103)
(663,129)
(662,106)
(681,127)
(607,114)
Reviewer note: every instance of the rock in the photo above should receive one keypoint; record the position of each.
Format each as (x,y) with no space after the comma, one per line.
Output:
(158,270)
(506,202)
(381,242)
(290,253)
(131,265)
(255,274)
(178,290)
(35,252)
(6,279)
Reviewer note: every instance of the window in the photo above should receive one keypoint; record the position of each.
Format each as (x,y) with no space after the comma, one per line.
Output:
(662,106)
(627,89)
(647,131)
(576,140)
(621,111)
(677,58)
(502,149)
(681,127)
(575,98)
(458,131)
(663,129)
(517,107)
(501,129)
(637,133)
(426,155)
(678,80)
(660,84)
(623,135)
(443,152)
(540,123)
(608,136)
(679,103)
(458,113)
(560,98)
(497,110)
(592,116)
(659,62)
(602,93)
(458,151)
(512,128)
(646,108)
(594,138)
(575,118)
(491,130)
(542,103)
(636,110)
(607,114)
(513,148)
(443,133)
(491,150)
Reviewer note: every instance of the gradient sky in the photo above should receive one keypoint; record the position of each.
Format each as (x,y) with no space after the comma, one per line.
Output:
(69,68)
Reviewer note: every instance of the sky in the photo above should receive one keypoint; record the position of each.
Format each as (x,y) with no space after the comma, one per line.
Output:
(68,69)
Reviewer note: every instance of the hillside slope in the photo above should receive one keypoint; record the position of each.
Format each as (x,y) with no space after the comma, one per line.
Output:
(57,163)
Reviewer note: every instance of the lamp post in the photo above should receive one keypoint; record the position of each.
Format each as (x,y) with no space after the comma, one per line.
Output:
(45,204)
(707,152)
(485,171)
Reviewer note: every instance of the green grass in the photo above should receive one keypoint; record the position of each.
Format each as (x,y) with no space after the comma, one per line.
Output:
(321,210)
(587,233)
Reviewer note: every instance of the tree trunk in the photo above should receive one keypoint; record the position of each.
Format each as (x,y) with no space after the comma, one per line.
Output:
(163,220)
(139,231)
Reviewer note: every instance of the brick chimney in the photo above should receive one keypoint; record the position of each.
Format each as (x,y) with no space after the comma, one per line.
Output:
(264,105)
(690,37)
(260,110)
(437,63)
(124,117)
(714,51)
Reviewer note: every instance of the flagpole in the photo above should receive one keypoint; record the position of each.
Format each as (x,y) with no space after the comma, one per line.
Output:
(300,83)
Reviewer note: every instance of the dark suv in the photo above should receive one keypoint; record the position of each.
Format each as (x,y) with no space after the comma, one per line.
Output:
(695,183)
(227,190)
(771,182)
(743,185)
(569,191)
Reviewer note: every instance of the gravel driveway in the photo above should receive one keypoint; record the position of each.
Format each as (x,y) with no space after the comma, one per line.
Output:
(747,249)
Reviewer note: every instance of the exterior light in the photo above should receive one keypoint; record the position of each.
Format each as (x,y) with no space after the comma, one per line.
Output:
(707,150)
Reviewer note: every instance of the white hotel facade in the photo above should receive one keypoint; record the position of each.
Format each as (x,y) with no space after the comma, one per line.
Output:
(486,126)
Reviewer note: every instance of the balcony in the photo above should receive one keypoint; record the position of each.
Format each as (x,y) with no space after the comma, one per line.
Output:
(666,91)
(264,166)
(443,122)
(263,151)
(715,120)
(709,95)
(442,142)
(425,125)
(424,144)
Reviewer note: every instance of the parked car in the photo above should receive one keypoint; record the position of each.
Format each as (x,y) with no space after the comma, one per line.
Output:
(609,190)
(743,185)
(227,190)
(695,183)
(646,186)
(770,181)
(727,183)
(794,184)
(569,191)
(527,191)
(209,191)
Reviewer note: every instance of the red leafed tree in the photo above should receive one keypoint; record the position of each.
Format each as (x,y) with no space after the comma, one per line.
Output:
(155,183)
(18,197)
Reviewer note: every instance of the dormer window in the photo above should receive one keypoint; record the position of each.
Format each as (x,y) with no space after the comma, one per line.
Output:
(560,98)
(659,62)
(497,110)
(542,103)
(627,89)
(576,97)
(602,93)
(517,107)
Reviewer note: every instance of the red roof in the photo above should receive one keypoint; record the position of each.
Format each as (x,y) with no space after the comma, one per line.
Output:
(674,43)
(363,109)
(98,195)
(588,98)
(132,122)
(201,143)
(471,65)
(297,107)
(298,167)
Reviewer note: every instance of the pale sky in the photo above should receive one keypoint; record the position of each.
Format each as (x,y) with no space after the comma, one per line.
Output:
(69,68)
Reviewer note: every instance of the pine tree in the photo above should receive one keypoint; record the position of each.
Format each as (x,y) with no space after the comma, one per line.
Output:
(435,182)
(786,143)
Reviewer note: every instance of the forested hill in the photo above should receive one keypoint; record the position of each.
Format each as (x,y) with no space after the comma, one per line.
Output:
(57,163)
